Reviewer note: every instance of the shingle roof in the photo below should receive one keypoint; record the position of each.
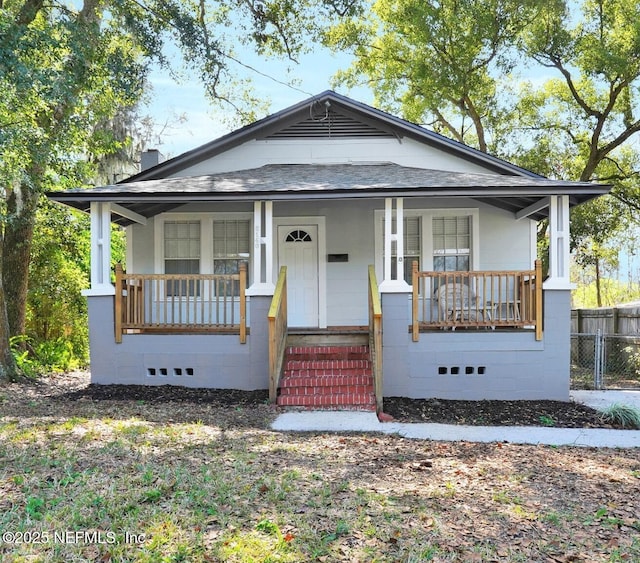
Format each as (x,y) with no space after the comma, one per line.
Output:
(285,178)
(314,181)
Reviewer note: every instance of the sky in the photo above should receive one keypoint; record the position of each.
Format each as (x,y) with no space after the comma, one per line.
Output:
(170,99)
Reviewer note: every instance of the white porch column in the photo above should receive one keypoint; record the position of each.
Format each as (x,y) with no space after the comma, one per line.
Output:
(558,243)
(100,250)
(394,284)
(262,237)
(268,241)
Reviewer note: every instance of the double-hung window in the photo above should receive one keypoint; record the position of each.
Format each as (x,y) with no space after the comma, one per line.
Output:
(231,247)
(182,256)
(451,243)
(202,243)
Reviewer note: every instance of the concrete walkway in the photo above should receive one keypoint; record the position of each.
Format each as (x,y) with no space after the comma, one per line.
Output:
(346,421)
(602,399)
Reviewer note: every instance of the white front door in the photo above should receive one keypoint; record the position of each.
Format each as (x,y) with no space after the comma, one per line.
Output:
(298,251)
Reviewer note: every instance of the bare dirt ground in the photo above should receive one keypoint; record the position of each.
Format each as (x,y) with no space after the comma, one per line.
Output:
(203,478)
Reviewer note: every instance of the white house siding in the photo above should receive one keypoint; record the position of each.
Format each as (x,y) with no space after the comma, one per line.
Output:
(405,152)
(141,248)
(504,243)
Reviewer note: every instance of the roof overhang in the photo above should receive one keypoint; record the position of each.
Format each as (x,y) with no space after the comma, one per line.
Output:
(521,195)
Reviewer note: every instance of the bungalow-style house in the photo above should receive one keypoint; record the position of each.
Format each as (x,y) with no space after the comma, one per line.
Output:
(335,254)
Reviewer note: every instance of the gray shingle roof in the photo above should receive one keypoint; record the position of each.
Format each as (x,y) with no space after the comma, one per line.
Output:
(313,181)
(328,179)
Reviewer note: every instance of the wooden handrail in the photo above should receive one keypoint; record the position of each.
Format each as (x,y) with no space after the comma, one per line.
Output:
(277,318)
(538,300)
(181,303)
(476,299)
(375,336)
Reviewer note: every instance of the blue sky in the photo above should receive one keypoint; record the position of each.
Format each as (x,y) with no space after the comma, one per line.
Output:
(170,99)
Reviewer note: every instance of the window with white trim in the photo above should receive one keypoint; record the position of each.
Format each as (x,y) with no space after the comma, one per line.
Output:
(451,243)
(438,239)
(231,247)
(181,255)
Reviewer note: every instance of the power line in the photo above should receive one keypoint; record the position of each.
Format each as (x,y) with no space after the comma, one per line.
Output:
(276,80)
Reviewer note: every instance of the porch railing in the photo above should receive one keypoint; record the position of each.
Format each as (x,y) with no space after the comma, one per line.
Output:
(174,303)
(277,333)
(375,336)
(491,299)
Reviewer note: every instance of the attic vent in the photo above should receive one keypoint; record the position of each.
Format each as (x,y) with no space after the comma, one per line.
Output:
(334,125)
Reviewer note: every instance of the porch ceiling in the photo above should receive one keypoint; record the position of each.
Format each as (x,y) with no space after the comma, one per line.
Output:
(331,181)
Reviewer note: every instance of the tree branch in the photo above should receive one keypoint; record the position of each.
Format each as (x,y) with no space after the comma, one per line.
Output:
(556,63)
(261,16)
(626,134)
(29,11)
(477,122)
(631,203)
(443,120)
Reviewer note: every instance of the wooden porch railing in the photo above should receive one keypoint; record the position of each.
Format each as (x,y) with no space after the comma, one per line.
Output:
(181,303)
(277,333)
(488,299)
(375,336)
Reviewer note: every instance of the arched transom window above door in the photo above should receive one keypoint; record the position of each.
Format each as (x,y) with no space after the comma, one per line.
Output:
(298,235)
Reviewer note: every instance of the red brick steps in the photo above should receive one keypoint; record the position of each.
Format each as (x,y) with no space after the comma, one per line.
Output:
(330,376)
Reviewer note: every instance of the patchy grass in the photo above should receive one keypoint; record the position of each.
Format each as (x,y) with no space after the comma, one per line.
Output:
(130,481)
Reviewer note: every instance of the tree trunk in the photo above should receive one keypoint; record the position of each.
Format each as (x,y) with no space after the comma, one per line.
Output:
(18,235)
(8,368)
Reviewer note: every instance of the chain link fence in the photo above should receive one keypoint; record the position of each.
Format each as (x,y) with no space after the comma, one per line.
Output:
(605,361)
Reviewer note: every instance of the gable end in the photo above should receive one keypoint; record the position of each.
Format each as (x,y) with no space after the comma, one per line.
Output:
(326,123)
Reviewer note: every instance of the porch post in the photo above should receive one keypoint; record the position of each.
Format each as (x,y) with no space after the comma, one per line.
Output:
(397,283)
(262,237)
(388,218)
(257,242)
(100,250)
(558,243)
(268,241)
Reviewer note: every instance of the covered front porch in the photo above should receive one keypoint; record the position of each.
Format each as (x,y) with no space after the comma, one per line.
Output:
(489,315)
(326,287)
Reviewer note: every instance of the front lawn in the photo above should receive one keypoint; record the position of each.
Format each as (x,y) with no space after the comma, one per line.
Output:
(129,480)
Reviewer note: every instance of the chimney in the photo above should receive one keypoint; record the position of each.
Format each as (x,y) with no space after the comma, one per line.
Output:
(150,158)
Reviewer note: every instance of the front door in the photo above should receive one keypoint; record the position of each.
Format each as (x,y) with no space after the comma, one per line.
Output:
(298,251)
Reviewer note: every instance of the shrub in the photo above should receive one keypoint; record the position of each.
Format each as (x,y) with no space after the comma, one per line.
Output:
(621,415)
(22,355)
